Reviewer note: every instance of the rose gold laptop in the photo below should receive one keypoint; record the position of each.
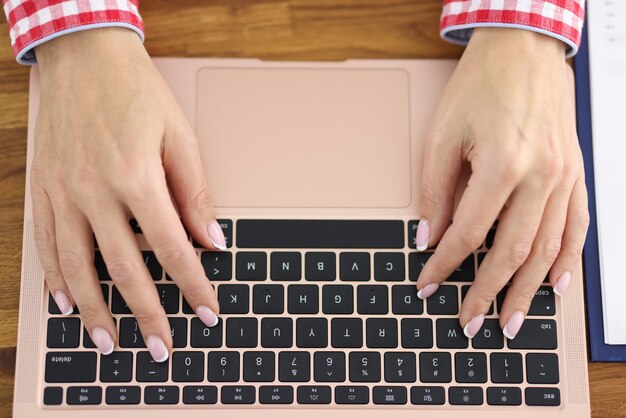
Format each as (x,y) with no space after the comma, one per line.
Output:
(315,170)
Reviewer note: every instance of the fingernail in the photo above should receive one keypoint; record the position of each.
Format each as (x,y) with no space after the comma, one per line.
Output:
(63,302)
(427,291)
(512,326)
(157,348)
(102,340)
(207,316)
(422,235)
(217,236)
(473,326)
(561,284)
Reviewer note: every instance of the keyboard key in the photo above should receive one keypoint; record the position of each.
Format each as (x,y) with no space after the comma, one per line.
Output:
(489,336)
(542,368)
(178,329)
(101,268)
(542,396)
(118,305)
(116,367)
(417,333)
(152,264)
(352,395)
(504,396)
(400,367)
(241,332)
(218,266)
(294,366)
(53,395)
(205,337)
(337,299)
(63,332)
(326,233)
(346,333)
(389,266)
(313,394)
(84,395)
(428,395)
(233,298)
(470,367)
(303,299)
(268,299)
(381,332)
(161,395)
(450,334)
(464,272)
(445,301)
(417,261)
(276,332)
(354,266)
(372,299)
(535,334)
(276,395)
(188,366)
(404,300)
(389,395)
(286,266)
(312,332)
(258,366)
(364,366)
(169,295)
(506,367)
(71,367)
(130,336)
(464,290)
(320,266)
(541,305)
(435,367)
(465,395)
(251,266)
(412,230)
(329,366)
(223,366)
(200,395)
(123,395)
(149,370)
(238,395)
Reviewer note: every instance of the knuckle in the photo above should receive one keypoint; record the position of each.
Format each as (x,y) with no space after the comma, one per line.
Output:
(581,216)
(471,238)
(573,252)
(428,195)
(44,237)
(122,269)
(171,253)
(71,263)
(518,253)
(551,166)
(550,249)
(52,275)
(525,296)
(89,313)
(201,199)
(149,317)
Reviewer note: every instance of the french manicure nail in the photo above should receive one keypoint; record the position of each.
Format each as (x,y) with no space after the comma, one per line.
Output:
(561,284)
(473,326)
(157,348)
(63,302)
(422,235)
(102,340)
(427,291)
(512,326)
(207,316)
(217,235)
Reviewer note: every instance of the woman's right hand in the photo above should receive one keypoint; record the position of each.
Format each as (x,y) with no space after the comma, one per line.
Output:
(111,143)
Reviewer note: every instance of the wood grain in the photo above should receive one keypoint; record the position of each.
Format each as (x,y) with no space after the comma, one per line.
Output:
(266,29)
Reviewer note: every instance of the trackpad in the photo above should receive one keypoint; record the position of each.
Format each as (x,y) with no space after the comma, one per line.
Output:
(305,137)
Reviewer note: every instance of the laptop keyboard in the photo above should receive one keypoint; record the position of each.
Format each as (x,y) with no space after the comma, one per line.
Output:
(315,312)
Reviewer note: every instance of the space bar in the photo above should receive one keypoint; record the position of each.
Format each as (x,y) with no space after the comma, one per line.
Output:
(290,233)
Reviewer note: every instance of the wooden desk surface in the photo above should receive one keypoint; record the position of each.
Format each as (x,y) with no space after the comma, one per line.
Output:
(268,29)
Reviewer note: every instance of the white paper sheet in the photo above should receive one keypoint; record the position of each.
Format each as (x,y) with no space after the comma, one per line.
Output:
(607,52)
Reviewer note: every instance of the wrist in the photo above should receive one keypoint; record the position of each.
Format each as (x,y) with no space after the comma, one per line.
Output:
(521,42)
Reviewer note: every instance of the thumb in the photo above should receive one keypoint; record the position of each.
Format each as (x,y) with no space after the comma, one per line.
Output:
(188,184)
(440,175)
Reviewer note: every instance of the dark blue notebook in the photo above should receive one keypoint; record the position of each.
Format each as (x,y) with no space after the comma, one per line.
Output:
(600,351)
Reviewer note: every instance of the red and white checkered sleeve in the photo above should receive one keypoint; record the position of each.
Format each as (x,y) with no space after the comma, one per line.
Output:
(33,22)
(561,19)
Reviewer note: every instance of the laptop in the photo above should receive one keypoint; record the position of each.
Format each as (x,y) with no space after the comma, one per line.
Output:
(315,169)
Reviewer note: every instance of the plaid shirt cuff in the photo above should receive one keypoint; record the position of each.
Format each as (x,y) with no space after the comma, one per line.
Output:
(561,19)
(33,22)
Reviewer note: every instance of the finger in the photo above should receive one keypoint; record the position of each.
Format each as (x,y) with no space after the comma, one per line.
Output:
(517,230)
(488,189)
(121,253)
(45,239)
(76,254)
(440,175)
(574,236)
(188,183)
(166,236)
(530,275)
